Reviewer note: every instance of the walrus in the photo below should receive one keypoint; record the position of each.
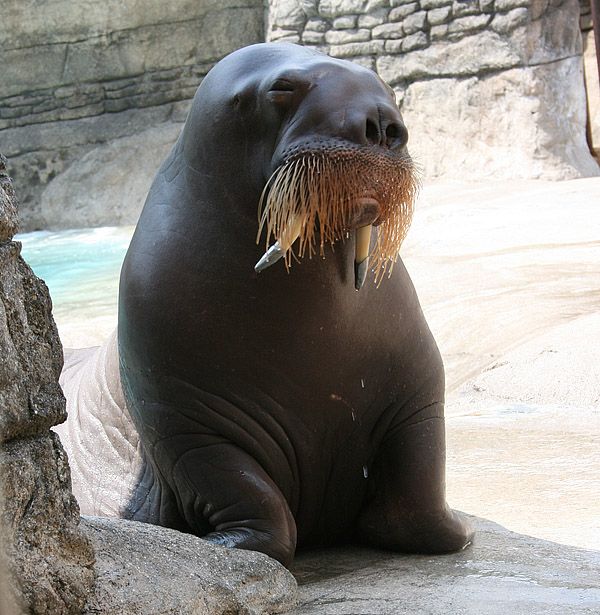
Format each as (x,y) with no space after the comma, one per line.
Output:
(286,393)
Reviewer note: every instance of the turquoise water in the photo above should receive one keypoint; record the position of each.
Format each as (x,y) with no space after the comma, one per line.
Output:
(80,267)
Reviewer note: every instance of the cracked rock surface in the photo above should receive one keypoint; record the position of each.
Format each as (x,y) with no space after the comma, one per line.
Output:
(49,561)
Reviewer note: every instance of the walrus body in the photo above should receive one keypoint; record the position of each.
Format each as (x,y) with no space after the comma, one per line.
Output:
(285,408)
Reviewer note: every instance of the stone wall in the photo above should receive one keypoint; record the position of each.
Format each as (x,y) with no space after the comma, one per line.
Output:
(79,74)
(487,87)
(592,78)
(94,93)
(50,561)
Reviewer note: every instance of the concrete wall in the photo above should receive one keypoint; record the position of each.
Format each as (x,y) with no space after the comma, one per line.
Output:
(77,74)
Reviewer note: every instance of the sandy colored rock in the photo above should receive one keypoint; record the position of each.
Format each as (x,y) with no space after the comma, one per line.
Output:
(151,570)
(68,64)
(450,136)
(116,176)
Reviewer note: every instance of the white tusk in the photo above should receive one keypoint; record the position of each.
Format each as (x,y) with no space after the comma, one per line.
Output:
(281,246)
(361,258)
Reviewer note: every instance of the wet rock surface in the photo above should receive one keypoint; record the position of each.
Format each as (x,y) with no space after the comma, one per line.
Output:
(49,561)
(502,572)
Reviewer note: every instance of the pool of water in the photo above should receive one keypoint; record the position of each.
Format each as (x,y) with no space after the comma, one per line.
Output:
(81,269)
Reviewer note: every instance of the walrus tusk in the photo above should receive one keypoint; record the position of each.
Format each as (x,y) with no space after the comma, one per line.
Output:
(281,246)
(361,258)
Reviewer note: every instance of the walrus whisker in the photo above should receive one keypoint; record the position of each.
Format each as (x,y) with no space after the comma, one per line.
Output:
(324,188)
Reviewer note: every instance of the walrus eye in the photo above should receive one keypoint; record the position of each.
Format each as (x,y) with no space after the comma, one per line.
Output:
(282,85)
(281,91)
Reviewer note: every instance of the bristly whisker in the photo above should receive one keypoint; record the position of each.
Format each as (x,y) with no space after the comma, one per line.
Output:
(322,188)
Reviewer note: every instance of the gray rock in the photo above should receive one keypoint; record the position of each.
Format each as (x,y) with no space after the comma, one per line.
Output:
(313,38)
(286,14)
(68,62)
(504,23)
(501,573)
(469,23)
(347,22)
(375,18)
(400,12)
(418,40)
(507,5)
(465,7)
(481,52)
(351,50)
(414,22)
(434,4)
(9,222)
(154,571)
(525,136)
(49,560)
(388,30)
(338,8)
(437,33)
(439,16)
(316,24)
(486,6)
(116,182)
(341,37)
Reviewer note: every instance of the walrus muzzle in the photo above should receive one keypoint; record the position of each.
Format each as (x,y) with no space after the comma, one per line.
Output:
(318,196)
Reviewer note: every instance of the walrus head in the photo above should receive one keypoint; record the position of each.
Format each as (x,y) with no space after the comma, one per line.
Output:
(332,145)
(341,171)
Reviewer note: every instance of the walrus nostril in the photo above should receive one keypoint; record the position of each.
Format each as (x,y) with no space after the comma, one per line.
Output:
(396,135)
(372,132)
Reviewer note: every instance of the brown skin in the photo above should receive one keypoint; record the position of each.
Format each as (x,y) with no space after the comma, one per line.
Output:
(278,409)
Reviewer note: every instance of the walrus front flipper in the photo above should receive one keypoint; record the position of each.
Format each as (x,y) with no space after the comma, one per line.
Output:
(407,509)
(224,487)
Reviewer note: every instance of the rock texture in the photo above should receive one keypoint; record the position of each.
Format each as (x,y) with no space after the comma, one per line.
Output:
(592,77)
(501,573)
(487,87)
(49,559)
(78,74)
(115,178)
(154,571)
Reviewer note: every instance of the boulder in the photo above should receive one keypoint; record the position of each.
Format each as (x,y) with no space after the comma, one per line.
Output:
(50,562)
(153,570)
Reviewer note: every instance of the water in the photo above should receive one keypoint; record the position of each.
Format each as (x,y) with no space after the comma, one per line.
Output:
(81,269)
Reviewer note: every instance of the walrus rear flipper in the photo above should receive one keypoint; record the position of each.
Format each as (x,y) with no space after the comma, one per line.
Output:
(407,509)
(234,495)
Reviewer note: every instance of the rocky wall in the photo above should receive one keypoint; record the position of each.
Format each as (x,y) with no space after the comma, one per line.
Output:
(77,75)
(592,77)
(487,87)
(50,562)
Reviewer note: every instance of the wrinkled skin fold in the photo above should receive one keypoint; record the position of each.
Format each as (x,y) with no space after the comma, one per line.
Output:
(283,409)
